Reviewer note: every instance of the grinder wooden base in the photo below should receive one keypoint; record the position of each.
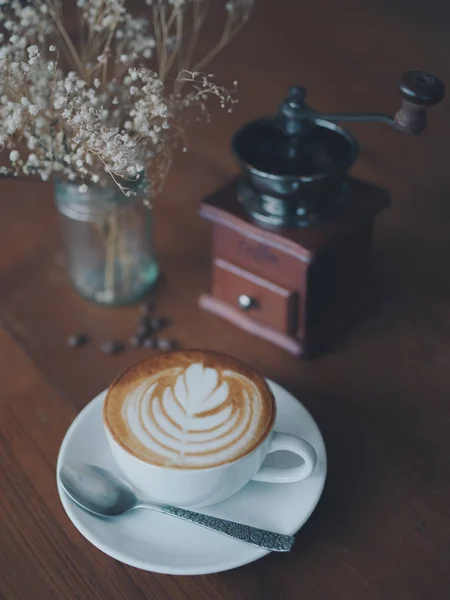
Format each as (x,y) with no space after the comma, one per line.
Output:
(293,287)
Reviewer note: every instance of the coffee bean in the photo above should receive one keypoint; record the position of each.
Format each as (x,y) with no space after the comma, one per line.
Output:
(113,347)
(144,329)
(158,323)
(76,340)
(150,343)
(165,344)
(136,341)
(147,308)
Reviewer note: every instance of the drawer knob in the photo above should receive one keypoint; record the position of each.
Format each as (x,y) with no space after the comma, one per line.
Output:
(246,302)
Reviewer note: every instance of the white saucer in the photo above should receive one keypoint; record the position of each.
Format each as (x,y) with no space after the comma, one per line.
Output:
(163,544)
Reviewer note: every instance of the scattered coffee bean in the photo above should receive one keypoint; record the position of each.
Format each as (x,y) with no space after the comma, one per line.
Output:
(76,340)
(158,323)
(144,329)
(145,320)
(136,341)
(147,308)
(150,343)
(145,326)
(165,344)
(112,347)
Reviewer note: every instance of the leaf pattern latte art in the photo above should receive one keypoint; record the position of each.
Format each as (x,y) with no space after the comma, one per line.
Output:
(195,417)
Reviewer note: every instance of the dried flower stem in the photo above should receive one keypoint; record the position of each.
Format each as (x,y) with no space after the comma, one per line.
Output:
(110,254)
(120,111)
(68,44)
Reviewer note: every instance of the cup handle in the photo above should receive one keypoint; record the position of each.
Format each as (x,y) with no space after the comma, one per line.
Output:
(291,443)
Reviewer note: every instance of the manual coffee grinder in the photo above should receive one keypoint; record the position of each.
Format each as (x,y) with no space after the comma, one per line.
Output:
(292,236)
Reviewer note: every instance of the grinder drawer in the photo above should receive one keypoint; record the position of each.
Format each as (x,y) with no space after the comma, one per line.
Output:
(260,299)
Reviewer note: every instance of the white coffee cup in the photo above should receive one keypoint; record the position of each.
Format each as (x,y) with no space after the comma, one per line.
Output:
(200,487)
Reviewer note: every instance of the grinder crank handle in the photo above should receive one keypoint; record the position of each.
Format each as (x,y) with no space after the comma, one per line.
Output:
(419,90)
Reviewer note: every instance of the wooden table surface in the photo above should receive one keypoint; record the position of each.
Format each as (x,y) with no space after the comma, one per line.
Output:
(381,394)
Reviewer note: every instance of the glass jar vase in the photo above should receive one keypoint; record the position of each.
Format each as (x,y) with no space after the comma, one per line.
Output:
(108,242)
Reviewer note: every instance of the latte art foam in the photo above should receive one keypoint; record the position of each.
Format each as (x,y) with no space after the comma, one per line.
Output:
(191,416)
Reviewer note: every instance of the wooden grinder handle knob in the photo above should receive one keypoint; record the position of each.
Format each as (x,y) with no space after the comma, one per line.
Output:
(419,90)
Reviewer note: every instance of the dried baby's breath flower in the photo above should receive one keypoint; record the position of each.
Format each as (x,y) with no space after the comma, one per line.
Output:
(113,106)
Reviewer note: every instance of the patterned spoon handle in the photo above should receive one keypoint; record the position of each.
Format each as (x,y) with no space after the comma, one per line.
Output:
(268,540)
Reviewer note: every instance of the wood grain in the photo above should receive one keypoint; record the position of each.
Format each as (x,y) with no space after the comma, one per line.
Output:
(381,393)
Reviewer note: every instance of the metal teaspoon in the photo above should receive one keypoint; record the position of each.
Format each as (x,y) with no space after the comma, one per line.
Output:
(103,494)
